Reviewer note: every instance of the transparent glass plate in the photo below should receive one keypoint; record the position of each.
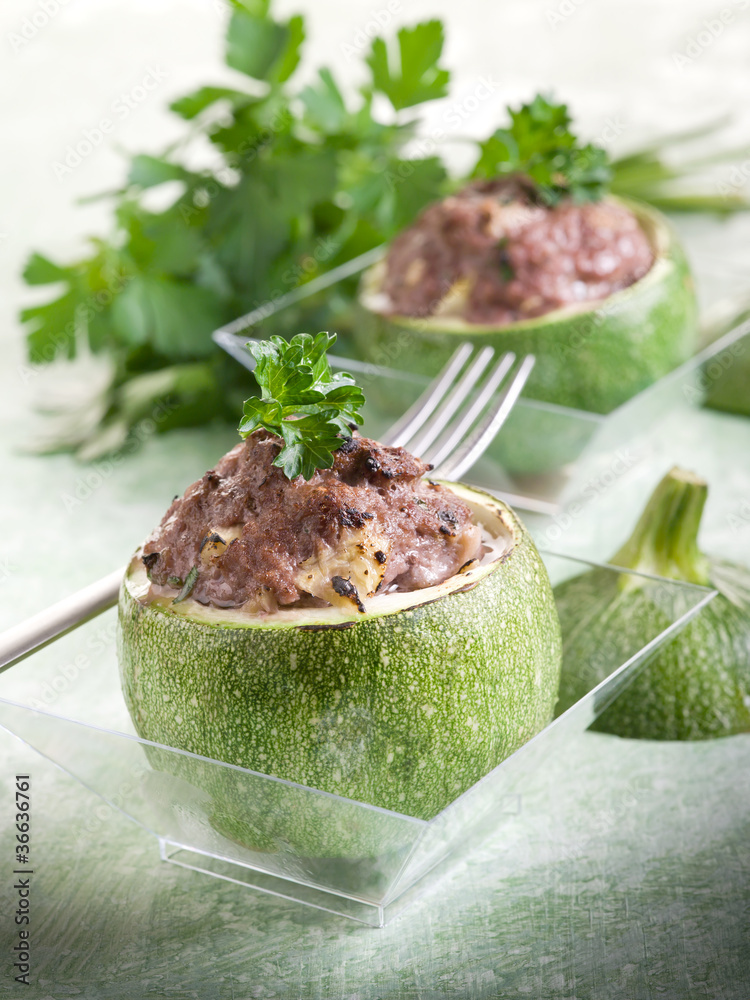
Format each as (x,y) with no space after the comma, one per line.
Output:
(301,843)
(543,450)
(534,457)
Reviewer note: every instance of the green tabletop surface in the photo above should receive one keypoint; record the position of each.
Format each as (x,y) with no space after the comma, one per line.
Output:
(626,873)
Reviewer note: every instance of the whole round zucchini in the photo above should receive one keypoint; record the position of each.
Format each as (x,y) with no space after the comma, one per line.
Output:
(591,359)
(404,707)
(696,687)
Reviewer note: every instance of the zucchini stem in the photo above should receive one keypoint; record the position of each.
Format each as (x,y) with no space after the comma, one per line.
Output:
(665,540)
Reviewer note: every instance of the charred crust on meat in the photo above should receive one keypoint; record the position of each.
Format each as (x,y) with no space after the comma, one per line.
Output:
(348,506)
(348,445)
(350,517)
(149,560)
(345,588)
(212,538)
(450,522)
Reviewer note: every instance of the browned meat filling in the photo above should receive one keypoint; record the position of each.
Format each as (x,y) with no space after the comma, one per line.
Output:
(491,254)
(259,540)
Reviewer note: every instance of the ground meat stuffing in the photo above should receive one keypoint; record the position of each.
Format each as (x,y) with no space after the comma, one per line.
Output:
(368,524)
(492,254)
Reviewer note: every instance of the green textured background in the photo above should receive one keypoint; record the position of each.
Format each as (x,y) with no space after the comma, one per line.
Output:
(626,875)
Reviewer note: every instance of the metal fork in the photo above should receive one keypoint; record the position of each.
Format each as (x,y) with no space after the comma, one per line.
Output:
(456,417)
(468,410)
(449,426)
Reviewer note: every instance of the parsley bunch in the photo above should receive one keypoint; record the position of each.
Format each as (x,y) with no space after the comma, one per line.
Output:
(307,178)
(301,401)
(540,145)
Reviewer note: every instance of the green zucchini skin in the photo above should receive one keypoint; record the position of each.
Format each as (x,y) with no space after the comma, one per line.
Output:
(731,392)
(696,688)
(594,359)
(402,710)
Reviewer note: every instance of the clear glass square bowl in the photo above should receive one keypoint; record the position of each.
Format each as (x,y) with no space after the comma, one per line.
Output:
(541,447)
(301,843)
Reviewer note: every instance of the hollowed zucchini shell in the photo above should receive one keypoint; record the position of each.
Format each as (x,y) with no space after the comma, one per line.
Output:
(404,707)
(590,359)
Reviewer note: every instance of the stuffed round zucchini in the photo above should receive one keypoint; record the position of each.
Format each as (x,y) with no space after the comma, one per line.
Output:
(363,631)
(599,292)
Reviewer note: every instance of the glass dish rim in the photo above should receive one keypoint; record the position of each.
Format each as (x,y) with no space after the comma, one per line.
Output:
(708,594)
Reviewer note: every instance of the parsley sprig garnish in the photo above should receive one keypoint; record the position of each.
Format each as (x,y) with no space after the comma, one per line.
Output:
(302,401)
(540,145)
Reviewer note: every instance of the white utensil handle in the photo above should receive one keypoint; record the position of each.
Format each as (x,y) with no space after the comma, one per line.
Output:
(22,639)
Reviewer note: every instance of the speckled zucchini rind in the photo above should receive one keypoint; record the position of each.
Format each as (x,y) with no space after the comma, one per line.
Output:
(593,359)
(403,707)
(694,689)
(698,686)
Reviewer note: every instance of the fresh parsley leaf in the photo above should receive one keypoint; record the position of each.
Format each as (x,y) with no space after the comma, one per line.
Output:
(324,103)
(149,171)
(260,413)
(302,401)
(309,444)
(52,327)
(175,317)
(541,145)
(408,185)
(411,74)
(589,173)
(262,48)
(192,105)
(291,54)
(41,270)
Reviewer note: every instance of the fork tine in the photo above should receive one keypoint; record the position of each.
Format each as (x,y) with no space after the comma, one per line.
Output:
(456,434)
(407,425)
(451,404)
(462,459)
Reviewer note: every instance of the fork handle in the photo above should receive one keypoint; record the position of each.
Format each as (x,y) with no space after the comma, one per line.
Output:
(33,633)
